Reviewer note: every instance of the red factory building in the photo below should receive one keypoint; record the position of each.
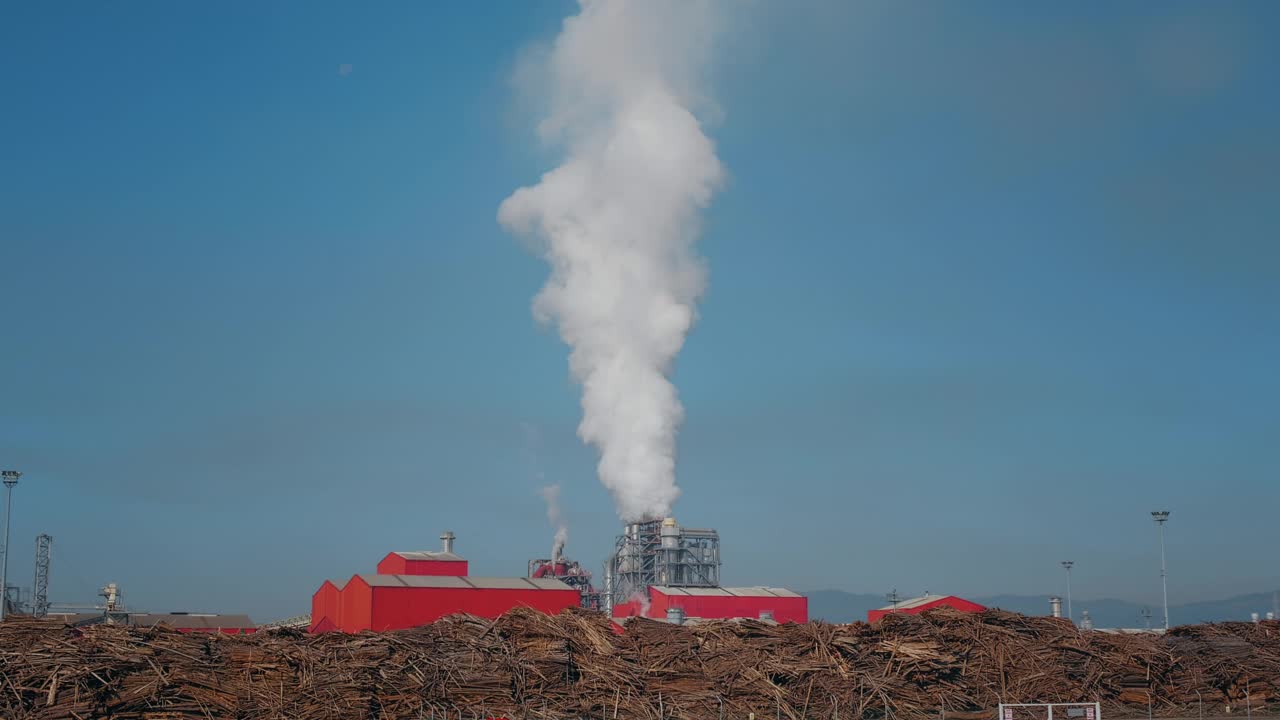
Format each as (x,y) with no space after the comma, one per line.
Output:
(422,562)
(420,587)
(718,603)
(915,606)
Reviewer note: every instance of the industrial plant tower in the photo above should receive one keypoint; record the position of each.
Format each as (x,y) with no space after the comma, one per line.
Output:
(660,552)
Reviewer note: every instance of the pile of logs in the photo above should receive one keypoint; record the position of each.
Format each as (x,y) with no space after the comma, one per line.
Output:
(530,665)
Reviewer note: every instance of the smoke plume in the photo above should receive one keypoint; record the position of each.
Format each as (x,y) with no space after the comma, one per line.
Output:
(617,221)
(551,494)
(641,598)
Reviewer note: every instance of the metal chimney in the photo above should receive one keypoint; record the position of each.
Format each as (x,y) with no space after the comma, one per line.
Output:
(446,541)
(1055,606)
(675,615)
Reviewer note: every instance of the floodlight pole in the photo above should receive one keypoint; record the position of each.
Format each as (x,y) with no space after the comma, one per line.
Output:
(10,479)
(1161,517)
(1066,564)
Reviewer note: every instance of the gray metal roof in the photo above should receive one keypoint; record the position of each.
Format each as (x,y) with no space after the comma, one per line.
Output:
(519,583)
(183,621)
(549,583)
(727,592)
(914,602)
(429,555)
(500,583)
(702,621)
(432,581)
(427,581)
(462,583)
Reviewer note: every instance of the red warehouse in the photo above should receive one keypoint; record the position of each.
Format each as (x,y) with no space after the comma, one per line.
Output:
(720,603)
(420,587)
(918,605)
(393,602)
(425,562)
(326,606)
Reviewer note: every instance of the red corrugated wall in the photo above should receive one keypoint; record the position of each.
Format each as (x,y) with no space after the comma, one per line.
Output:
(394,564)
(631,608)
(950,601)
(325,607)
(355,606)
(395,608)
(784,609)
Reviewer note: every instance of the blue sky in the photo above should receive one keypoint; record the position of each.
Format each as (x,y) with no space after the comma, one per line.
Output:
(989,282)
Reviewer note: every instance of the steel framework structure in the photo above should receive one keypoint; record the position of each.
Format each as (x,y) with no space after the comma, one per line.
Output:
(11,478)
(660,552)
(297,621)
(571,573)
(40,585)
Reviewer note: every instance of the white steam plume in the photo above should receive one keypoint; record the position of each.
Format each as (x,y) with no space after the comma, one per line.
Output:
(641,598)
(551,494)
(617,222)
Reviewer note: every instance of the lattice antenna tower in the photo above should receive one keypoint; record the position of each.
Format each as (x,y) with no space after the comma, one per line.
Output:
(40,585)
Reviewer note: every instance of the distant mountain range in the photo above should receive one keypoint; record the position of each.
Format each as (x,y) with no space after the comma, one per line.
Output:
(839,607)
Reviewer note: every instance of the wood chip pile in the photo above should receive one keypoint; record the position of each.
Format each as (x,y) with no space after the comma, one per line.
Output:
(529,665)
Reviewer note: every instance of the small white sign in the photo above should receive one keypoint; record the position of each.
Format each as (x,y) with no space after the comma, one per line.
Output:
(1088,713)
(1008,714)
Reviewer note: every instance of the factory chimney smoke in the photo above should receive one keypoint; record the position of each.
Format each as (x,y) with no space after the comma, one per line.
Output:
(551,494)
(617,221)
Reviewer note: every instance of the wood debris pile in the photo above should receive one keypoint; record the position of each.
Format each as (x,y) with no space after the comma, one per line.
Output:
(529,665)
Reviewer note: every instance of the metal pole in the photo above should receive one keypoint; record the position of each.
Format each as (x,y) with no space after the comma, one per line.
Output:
(1070,615)
(1067,564)
(1161,517)
(10,479)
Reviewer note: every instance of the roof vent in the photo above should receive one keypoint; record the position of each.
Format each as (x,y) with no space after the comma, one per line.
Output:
(446,541)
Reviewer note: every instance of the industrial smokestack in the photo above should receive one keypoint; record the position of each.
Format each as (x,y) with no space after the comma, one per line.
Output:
(1055,606)
(617,221)
(446,541)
